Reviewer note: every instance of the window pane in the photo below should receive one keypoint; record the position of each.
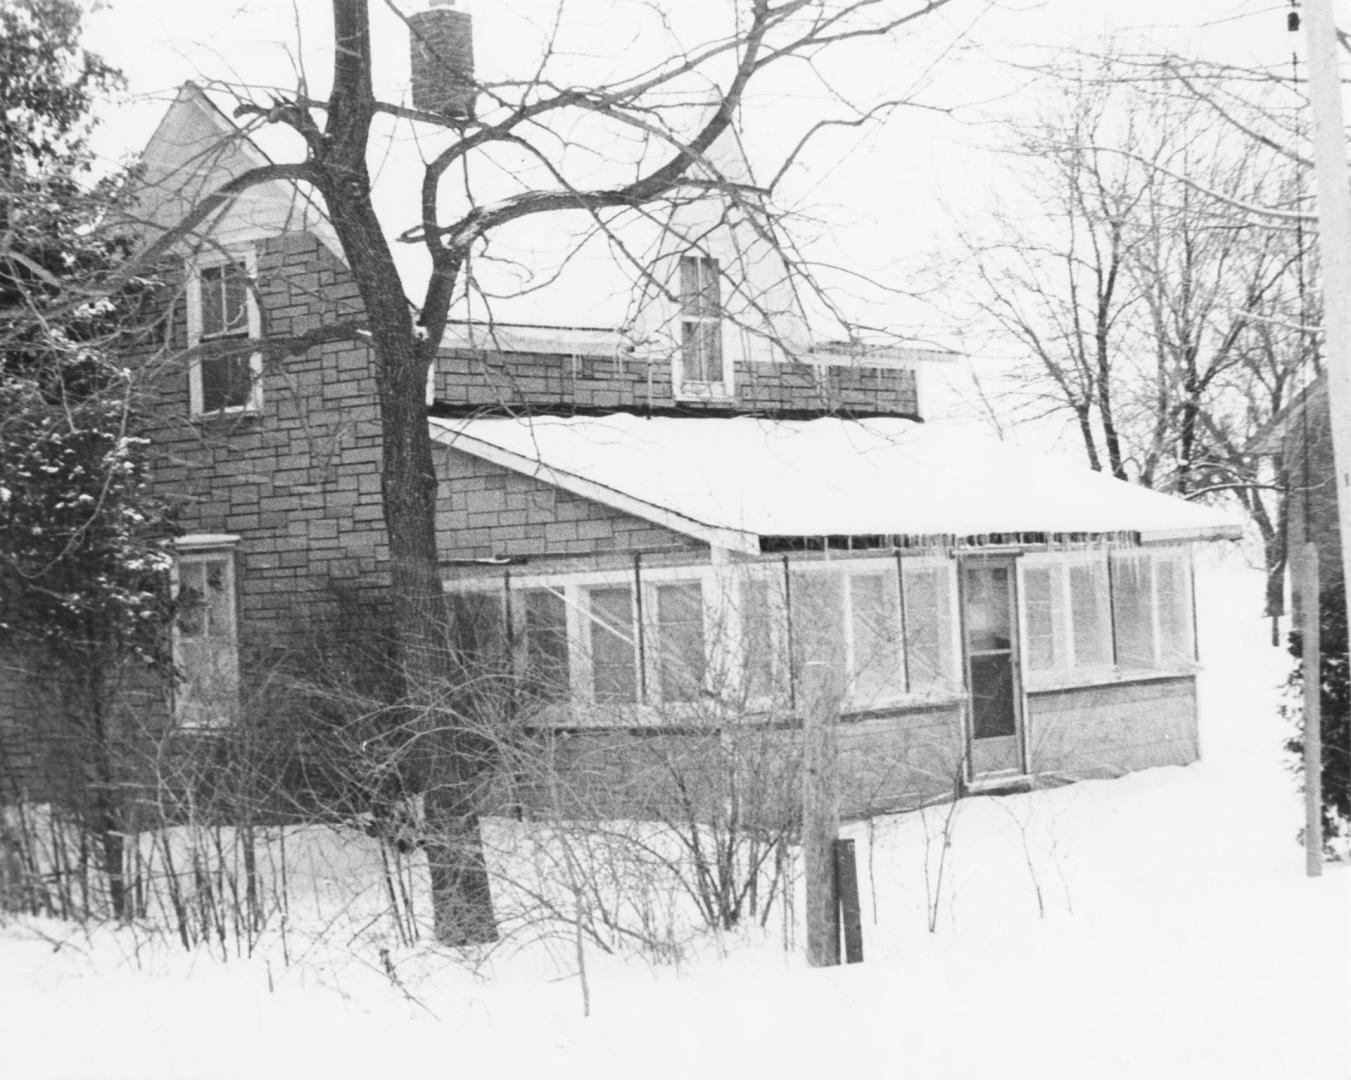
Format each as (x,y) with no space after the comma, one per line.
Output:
(1039,602)
(191,600)
(218,603)
(712,350)
(681,658)
(1132,588)
(928,628)
(689,285)
(875,669)
(818,621)
(213,312)
(1174,602)
(987,610)
(227,382)
(710,289)
(480,630)
(1088,614)
(206,653)
(547,675)
(224,300)
(759,636)
(613,647)
(692,351)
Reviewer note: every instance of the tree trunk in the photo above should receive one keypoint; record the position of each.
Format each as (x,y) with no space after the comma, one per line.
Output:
(446,752)
(461,890)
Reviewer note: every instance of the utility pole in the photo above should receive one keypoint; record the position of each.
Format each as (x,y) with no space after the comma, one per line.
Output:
(1334,246)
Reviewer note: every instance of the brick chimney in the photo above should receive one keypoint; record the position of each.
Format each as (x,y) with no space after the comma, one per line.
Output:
(441,55)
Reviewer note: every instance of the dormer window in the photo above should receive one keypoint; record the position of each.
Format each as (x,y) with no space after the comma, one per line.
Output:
(700,322)
(222,310)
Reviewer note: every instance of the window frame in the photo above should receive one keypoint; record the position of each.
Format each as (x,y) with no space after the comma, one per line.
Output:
(1065,672)
(691,314)
(202,549)
(726,676)
(1162,660)
(247,257)
(1065,669)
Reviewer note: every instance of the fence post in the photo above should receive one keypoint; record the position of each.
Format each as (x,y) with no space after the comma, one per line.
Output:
(820,809)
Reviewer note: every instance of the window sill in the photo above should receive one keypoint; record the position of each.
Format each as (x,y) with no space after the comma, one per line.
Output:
(1087,680)
(238,417)
(700,391)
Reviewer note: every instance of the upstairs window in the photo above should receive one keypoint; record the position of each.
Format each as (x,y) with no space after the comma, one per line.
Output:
(223,316)
(700,321)
(206,649)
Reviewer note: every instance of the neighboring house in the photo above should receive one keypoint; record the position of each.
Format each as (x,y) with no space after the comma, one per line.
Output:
(651,532)
(1301,437)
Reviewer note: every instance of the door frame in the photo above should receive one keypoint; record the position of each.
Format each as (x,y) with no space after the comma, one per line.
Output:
(1008,560)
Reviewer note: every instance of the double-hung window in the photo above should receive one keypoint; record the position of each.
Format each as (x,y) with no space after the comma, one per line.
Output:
(206,649)
(701,358)
(223,317)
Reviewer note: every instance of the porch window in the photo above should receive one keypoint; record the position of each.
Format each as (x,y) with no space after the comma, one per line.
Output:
(851,619)
(1151,596)
(876,666)
(543,645)
(1066,615)
(700,320)
(222,309)
(762,625)
(929,647)
(614,645)
(206,649)
(681,649)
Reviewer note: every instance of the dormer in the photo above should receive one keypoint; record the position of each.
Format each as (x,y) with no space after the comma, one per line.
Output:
(719,295)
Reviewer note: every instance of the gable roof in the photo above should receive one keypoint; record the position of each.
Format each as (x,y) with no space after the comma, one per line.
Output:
(194,150)
(737,482)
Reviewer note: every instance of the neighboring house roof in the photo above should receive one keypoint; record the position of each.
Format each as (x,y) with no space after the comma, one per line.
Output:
(1311,398)
(732,482)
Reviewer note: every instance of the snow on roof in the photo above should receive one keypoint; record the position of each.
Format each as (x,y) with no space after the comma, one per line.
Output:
(521,338)
(733,481)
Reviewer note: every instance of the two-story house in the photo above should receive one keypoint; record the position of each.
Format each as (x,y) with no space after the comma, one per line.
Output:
(653,528)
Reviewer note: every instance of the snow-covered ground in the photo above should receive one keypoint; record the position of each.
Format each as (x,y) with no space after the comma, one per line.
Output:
(1156,926)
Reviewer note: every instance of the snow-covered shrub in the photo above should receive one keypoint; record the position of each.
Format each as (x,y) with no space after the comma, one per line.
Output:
(1335,726)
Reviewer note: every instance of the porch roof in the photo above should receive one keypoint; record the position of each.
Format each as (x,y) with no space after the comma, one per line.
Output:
(733,482)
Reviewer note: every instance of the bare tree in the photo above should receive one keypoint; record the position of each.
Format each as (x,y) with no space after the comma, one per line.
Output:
(1153,283)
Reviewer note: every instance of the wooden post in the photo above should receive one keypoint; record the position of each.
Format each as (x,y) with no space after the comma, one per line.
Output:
(1312,650)
(820,698)
(1334,246)
(846,888)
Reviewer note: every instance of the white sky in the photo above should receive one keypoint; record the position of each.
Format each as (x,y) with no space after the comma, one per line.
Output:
(879,201)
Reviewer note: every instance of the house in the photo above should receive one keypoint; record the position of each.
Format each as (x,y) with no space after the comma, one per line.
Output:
(1301,437)
(651,532)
